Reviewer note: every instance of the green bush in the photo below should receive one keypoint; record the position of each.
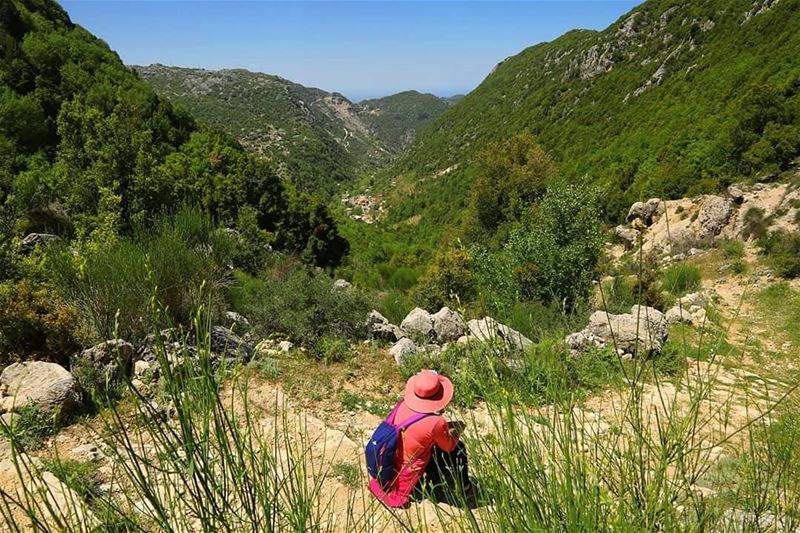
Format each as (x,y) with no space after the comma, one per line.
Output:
(681,279)
(449,281)
(298,302)
(732,249)
(29,428)
(782,251)
(754,224)
(35,323)
(183,260)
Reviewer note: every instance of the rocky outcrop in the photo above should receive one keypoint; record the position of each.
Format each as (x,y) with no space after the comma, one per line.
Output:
(47,386)
(628,236)
(418,324)
(103,365)
(690,309)
(32,240)
(378,327)
(227,346)
(488,329)
(402,349)
(647,212)
(642,331)
(342,285)
(714,215)
(448,325)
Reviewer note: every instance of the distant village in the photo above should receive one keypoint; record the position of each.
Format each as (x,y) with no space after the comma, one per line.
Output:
(364,207)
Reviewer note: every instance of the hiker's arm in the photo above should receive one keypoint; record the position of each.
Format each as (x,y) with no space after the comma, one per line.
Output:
(444,439)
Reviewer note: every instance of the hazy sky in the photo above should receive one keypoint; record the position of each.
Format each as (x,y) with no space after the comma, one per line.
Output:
(361,49)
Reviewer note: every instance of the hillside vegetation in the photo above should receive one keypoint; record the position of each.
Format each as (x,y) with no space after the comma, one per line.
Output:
(675,98)
(316,138)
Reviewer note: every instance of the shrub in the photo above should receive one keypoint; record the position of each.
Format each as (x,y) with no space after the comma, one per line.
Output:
(332,350)
(555,250)
(754,225)
(298,302)
(680,279)
(732,249)
(35,323)
(182,259)
(29,428)
(449,281)
(782,250)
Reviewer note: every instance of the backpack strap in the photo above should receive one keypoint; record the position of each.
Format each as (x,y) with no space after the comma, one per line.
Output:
(412,420)
(390,418)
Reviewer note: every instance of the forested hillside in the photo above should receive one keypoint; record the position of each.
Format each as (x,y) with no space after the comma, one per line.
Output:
(396,119)
(316,138)
(90,151)
(675,98)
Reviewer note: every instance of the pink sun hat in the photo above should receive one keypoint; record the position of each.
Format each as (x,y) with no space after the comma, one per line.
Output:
(428,392)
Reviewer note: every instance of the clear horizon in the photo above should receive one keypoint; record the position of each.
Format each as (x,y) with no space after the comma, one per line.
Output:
(360,49)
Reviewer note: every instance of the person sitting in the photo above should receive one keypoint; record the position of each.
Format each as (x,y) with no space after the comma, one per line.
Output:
(429,451)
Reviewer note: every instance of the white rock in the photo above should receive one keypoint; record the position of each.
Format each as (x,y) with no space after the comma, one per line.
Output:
(488,329)
(418,323)
(448,325)
(402,349)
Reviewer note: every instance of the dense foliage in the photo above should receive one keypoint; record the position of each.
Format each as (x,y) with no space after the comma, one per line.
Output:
(317,139)
(674,99)
(89,151)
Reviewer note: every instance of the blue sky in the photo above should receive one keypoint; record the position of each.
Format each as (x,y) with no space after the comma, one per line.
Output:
(361,49)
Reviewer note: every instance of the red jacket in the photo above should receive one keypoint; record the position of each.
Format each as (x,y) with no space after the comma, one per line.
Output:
(417,442)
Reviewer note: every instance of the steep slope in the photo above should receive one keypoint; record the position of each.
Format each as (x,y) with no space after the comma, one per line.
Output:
(89,151)
(315,137)
(396,119)
(674,98)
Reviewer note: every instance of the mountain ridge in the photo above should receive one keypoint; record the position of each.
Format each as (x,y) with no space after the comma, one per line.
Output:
(315,137)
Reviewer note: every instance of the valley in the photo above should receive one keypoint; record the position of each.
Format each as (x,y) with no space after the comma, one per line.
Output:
(215,284)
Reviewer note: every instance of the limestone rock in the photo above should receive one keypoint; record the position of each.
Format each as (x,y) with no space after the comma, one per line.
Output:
(226,345)
(418,323)
(643,330)
(488,330)
(342,285)
(378,327)
(32,239)
(103,364)
(448,325)
(285,346)
(236,321)
(714,215)
(402,349)
(736,193)
(47,386)
(647,211)
(628,236)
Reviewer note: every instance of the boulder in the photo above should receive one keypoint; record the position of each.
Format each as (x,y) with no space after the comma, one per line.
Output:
(489,330)
(226,345)
(102,365)
(342,285)
(736,193)
(402,349)
(644,330)
(32,239)
(236,321)
(285,346)
(418,323)
(448,325)
(628,236)
(647,211)
(378,327)
(714,215)
(46,386)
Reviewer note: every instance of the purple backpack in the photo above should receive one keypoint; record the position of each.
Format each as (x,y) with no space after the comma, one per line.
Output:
(382,446)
